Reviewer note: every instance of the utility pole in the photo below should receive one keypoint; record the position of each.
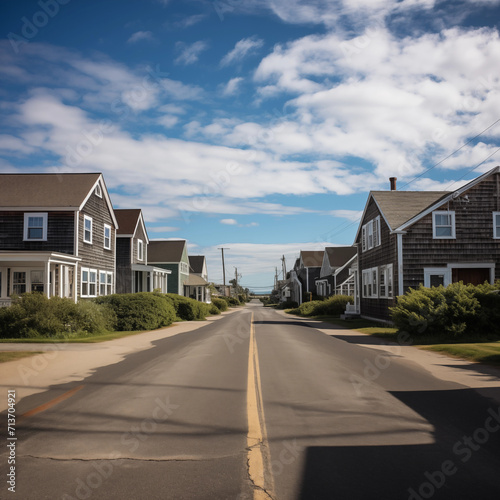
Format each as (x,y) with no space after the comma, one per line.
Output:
(276,278)
(284,267)
(223,267)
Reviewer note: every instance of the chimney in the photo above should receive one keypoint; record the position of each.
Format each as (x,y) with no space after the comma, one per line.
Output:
(393,183)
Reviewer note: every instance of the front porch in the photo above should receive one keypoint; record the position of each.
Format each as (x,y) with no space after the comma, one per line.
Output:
(149,278)
(196,288)
(50,273)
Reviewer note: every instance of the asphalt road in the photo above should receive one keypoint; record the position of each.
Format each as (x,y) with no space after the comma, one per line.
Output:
(257,405)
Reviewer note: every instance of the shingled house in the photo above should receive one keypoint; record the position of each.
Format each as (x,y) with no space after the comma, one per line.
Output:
(133,274)
(408,238)
(334,258)
(196,286)
(57,235)
(173,256)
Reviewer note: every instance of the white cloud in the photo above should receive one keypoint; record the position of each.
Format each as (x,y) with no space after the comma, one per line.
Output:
(189,54)
(140,36)
(232,86)
(229,222)
(242,49)
(162,229)
(168,121)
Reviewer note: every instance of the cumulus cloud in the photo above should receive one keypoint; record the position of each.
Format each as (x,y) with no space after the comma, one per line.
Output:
(232,86)
(140,36)
(189,53)
(229,222)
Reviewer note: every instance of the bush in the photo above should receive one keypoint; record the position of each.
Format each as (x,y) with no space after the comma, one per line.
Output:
(333,306)
(455,310)
(213,309)
(221,304)
(231,301)
(139,311)
(188,309)
(288,304)
(34,315)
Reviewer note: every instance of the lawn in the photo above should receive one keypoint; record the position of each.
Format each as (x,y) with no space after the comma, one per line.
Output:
(488,352)
(12,356)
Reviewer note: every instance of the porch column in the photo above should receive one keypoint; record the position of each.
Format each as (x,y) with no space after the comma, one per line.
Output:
(47,280)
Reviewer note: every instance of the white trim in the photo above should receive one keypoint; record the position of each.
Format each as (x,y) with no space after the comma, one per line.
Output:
(85,219)
(98,190)
(496,234)
(370,283)
(44,217)
(432,271)
(107,226)
(77,231)
(387,272)
(400,263)
(449,197)
(140,250)
(449,213)
(96,282)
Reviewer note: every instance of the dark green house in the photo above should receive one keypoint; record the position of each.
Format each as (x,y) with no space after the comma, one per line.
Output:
(171,255)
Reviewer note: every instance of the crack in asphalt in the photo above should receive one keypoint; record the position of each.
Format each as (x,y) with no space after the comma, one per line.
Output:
(132,459)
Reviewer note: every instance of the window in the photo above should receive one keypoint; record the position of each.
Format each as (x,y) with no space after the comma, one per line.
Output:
(89,283)
(370,234)
(443,225)
(184,268)
(370,283)
(140,250)
(35,227)
(87,229)
(435,276)
(98,190)
(496,225)
(37,284)
(107,237)
(385,285)
(105,283)
(18,282)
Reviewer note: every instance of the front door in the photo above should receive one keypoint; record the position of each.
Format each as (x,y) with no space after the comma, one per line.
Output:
(473,276)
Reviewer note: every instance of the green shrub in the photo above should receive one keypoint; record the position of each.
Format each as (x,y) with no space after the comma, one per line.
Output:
(34,315)
(139,311)
(288,304)
(455,310)
(333,306)
(213,309)
(188,309)
(221,304)
(308,308)
(231,301)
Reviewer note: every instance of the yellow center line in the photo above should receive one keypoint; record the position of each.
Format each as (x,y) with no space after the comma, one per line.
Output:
(51,403)
(258,456)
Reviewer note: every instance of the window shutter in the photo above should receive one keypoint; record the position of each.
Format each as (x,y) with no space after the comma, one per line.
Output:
(363,238)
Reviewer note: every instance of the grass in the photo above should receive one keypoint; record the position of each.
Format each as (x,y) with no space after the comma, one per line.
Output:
(483,349)
(84,339)
(12,356)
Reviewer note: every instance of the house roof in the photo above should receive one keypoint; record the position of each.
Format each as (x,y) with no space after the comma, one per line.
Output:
(312,258)
(400,206)
(45,190)
(127,220)
(195,280)
(166,251)
(196,262)
(338,256)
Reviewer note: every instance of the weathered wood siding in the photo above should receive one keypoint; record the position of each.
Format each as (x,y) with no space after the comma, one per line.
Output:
(474,241)
(123,266)
(94,255)
(60,233)
(382,255)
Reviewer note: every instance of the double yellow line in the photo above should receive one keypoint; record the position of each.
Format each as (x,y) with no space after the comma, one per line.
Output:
(259,457)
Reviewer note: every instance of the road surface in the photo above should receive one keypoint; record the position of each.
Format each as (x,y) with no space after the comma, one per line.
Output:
(257,405)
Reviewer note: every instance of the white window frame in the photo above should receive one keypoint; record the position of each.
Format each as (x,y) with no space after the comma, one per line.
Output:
(370,234)
(184,268)
(496,227)
(85,219)
(431,271)
(140,250)
(106,285)
(435,226)
(88,282)
(44,217)
(369,287)
(386,275)
(98,190)
(107,238)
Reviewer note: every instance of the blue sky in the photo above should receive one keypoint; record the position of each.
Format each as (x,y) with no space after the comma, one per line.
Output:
(256,125)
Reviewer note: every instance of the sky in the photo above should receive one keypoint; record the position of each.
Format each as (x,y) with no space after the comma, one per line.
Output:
(259,126)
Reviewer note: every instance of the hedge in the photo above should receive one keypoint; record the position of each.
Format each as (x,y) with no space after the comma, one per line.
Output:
(139,311)
(333,306)
(220,304)
(33,315)
(455,310)
(188,309)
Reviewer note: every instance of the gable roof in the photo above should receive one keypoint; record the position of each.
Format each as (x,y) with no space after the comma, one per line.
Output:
(338,256)
(45,190)
(166,251)
(312,258)
(196,262)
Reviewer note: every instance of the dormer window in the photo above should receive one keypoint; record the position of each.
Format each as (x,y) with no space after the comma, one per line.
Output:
(98,190)
(140,250)
(370,234)
(35,227)
(443,225)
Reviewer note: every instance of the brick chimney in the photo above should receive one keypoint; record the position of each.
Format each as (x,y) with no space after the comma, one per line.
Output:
(393,183)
